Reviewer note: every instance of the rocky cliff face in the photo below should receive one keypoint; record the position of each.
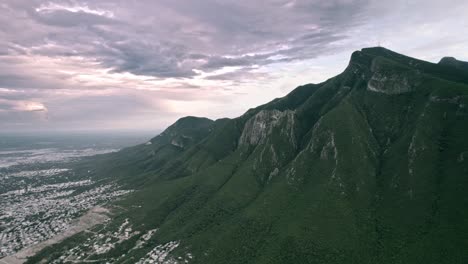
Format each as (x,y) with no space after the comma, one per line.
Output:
(392,79)
(258,128)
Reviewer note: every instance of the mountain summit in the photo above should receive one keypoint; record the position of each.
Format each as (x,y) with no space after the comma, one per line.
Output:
(370,166)
(451,61)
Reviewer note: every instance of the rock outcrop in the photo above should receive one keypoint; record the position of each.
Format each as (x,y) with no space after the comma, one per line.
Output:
(261,125)
(388,79)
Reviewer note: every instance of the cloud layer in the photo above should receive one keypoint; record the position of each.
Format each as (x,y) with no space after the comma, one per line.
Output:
(141,64)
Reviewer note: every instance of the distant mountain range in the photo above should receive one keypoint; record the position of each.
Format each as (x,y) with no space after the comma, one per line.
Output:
(370,166)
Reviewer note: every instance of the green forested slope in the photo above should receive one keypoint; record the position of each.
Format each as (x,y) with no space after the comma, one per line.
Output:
(370,166)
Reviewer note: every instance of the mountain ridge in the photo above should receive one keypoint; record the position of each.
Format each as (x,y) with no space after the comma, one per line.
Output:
(374,52)
(366,167)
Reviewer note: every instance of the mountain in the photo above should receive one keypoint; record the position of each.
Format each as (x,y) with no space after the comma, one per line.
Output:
(452,62)
(370,166)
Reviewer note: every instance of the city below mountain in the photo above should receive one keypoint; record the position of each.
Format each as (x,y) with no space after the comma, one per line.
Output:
(370,166)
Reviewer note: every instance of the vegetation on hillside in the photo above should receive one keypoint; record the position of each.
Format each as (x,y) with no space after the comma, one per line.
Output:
(370,166)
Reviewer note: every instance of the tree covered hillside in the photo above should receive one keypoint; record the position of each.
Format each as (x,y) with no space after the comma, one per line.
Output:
(370,166)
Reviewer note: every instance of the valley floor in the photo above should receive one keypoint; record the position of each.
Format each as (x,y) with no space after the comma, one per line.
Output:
(93,217)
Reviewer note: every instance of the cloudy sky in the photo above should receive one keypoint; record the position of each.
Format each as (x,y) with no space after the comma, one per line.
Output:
(140,65)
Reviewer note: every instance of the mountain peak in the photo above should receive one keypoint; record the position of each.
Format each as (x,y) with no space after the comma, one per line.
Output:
(366,55)
(192,120)
(376,50)
(448,59)
(188,124)
(185,132)
(453,62)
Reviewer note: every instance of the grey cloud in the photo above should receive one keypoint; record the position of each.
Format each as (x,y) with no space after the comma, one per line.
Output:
(176,39)
(15,81)
(6,105)
(163,39)
(63,18)
(194,35)
(27,81)
(16,74)
(217,62)
(239,76)
(159,60)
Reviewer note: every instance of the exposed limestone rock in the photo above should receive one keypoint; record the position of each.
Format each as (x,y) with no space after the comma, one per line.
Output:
(461,157)
(177,143)
(324,144)
(273,155)
(260,126)
(291,177)
(329,149)
(273,174)
(390,80)
(264,155)
(462,110)
(411,155)
(311,146)
(450,100)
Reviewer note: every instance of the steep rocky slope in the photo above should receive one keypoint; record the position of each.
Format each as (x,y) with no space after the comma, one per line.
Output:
(370,166)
